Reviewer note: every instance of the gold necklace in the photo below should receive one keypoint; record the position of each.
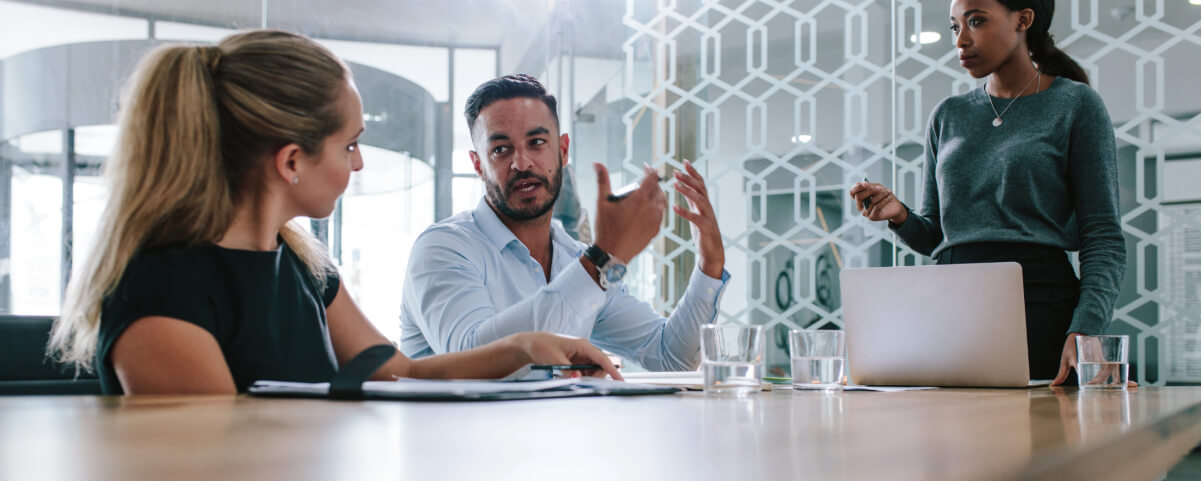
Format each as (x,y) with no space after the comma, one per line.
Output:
(997,121)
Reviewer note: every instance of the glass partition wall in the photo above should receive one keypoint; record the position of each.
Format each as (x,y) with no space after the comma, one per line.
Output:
(782,105)
(785,104)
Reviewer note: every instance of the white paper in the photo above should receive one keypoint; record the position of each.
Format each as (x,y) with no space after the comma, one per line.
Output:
(419,386)
(684,378)
(886,388)
(402,387)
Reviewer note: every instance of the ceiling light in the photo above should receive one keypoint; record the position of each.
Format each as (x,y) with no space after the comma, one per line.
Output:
(931,37)
(1195,2)
(803,138)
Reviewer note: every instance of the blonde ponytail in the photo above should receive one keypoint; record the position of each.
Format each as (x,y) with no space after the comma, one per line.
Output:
(194,125)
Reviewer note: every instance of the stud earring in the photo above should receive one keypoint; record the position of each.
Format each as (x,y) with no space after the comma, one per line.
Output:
(295,180)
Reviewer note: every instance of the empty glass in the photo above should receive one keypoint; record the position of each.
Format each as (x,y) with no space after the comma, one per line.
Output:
(817,359)
(1101,362)
(732,358)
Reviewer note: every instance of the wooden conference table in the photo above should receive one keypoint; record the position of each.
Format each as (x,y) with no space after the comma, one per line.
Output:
(917,435)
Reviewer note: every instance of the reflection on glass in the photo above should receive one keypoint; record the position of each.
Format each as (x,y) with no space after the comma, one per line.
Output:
(472,68)
(25,27)
(386,206)
(424,66)
(187,31)
(1102,414)
(467,193)
(461,158)
(91,194)
(95,140)
(37,222)
(48,142)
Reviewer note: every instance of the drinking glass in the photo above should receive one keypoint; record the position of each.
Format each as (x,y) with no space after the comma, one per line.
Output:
(817,359)
(1101,362)
(732,358)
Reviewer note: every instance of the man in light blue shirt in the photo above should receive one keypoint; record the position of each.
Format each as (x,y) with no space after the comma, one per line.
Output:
(505,267)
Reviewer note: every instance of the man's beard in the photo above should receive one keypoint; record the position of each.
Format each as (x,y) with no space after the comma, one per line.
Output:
(500,199)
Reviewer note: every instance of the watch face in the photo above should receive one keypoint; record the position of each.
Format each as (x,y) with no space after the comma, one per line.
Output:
(615,273)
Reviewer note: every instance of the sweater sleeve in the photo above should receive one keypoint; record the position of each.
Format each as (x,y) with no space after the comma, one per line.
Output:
(1093,180)
(922,230)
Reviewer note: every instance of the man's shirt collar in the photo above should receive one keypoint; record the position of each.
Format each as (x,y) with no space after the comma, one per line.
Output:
(500,236)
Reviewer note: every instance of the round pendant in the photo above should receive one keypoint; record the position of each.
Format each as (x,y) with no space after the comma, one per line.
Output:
(996,122)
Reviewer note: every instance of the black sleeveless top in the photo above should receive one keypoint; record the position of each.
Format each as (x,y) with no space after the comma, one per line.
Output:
(264,309)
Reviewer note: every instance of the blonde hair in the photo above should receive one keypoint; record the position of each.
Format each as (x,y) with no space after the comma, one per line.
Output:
(195,124)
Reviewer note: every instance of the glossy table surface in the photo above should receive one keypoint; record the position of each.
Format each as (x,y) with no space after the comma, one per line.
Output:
(976,434)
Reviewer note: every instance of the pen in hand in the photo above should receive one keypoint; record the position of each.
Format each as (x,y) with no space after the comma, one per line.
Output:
(867,202)
(629,189)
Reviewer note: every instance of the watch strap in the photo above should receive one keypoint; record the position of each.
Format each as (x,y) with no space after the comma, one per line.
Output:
(599,257)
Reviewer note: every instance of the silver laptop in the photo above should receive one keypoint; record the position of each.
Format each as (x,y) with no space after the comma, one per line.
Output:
(947,325)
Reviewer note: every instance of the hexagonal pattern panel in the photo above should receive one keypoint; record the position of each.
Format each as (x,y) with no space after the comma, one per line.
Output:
(784,104)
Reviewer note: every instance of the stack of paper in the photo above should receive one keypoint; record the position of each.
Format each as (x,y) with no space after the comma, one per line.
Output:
(467,389)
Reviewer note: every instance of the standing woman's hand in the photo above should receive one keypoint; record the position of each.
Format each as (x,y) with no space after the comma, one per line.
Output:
(1068,361)
(881,203)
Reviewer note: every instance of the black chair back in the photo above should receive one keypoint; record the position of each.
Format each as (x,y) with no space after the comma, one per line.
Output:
(24,366)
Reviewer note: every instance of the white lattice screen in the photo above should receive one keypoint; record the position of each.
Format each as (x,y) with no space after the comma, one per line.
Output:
(784,104)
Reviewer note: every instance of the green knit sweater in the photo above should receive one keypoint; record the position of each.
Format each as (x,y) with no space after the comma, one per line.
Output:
(1048,175)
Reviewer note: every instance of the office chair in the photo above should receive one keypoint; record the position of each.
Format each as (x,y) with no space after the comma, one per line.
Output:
(24,367)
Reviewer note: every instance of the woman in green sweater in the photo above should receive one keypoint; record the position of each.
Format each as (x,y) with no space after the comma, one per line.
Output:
(1021,169)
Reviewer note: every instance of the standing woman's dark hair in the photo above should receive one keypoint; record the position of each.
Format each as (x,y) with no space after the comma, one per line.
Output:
(1050,59)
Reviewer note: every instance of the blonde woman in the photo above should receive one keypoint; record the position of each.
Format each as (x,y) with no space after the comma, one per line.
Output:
(198,283)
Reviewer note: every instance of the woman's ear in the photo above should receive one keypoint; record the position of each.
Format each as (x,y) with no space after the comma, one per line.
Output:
(286,163)
(1025,19)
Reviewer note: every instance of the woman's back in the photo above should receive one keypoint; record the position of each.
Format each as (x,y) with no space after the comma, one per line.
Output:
(264,308)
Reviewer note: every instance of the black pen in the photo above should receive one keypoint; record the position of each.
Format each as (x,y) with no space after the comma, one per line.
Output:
(567,367)
(629,189)
(867,202)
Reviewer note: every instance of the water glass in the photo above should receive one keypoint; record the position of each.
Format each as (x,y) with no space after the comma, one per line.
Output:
(1101,361)
(732,358)
(817,359)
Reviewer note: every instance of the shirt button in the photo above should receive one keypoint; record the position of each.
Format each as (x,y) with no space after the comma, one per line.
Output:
(593,306)
(710,290)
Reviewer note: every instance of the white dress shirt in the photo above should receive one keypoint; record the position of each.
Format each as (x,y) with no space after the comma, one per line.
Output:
(470,281)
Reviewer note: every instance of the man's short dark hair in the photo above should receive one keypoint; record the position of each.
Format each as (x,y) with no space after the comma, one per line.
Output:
(508,87)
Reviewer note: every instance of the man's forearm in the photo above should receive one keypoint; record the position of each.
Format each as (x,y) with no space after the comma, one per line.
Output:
(681,333)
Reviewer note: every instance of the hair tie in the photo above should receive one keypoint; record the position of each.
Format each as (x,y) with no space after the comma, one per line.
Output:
(214,58)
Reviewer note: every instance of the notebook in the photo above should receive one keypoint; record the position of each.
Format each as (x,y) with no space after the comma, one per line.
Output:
(350,382)
(465,390)
(946,325)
